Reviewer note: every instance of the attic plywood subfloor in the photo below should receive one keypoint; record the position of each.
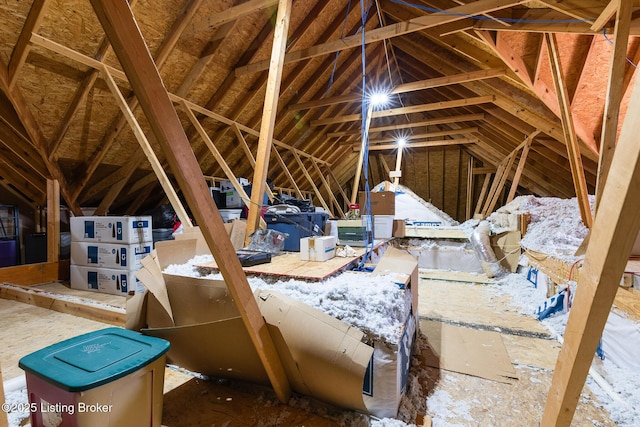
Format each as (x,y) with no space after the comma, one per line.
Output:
(449,398)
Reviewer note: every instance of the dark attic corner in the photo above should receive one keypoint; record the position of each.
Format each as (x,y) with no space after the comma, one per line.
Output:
(283,213)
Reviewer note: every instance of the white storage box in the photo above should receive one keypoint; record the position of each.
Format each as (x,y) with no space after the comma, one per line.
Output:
(229,215)
(109,255)
(111,229)
(382,226)
(104,280)
(318,248)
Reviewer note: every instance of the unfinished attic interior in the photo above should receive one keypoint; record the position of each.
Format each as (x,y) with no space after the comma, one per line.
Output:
(319,212)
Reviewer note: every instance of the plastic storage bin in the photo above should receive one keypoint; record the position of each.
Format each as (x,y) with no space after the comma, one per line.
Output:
(112,377)
(297,226)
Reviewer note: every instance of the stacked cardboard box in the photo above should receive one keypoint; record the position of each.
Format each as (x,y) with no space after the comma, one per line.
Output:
(106,252)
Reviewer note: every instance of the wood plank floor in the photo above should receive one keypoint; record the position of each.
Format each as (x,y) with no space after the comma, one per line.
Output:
(449,398)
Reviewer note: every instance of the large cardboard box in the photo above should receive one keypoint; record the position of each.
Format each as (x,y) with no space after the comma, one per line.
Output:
(382,203)
(104,280)
(207,335)
(109,255)
(111,229)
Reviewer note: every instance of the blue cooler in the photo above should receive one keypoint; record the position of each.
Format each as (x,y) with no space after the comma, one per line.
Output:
(297,226)
(112,377)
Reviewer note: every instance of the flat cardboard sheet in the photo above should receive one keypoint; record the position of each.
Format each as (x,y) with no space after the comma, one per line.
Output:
(468,351)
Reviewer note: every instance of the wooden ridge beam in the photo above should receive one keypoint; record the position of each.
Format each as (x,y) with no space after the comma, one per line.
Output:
(127,42)
(416,24)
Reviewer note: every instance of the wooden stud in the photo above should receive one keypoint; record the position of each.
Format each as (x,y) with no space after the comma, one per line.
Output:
(53,221)
(523,159)
(483,192)
(612,236)
(287,172)
(127,42)
(470,179)
(313,185)
(358,172)
(174,200)
(269,114)
(575,160)
(345,198)
(614,93)
(223,164)
(398,171)
(325,182)
(249,154)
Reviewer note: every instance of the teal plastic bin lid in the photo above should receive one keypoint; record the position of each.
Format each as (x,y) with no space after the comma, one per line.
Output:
(91,360)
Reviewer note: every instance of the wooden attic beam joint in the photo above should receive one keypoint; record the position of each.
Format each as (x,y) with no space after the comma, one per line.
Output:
(230,14)
(327,185)
(408,110)
(523,159)
(420,144)
(615,92)
(613,234)
(287,172)
(22,47)
(148,152)
(127,42)
(35,134)
(310,179)
(93,63)
(416,24)
(483,193)
(407,87)
(429,122)
(498,183)
(411,137)
(607,14)
(575,160)
(249,154)
(269,112)
(514,61)
(218,156)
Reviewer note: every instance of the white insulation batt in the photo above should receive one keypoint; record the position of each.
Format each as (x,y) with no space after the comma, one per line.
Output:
(346,340)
